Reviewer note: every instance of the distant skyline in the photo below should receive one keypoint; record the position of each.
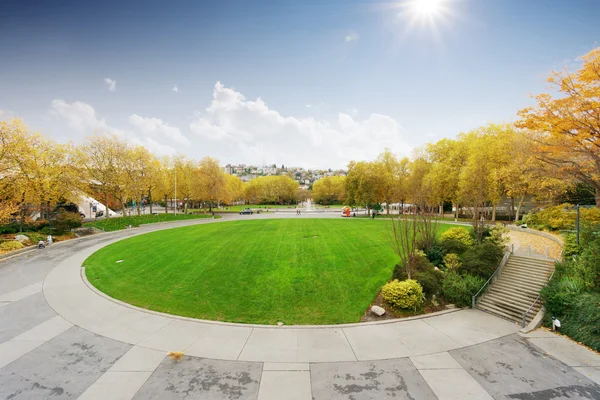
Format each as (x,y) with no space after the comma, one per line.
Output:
(309,84)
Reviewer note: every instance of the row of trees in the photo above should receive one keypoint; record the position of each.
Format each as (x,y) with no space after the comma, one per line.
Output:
(554,146)
(37,171)
(476,170)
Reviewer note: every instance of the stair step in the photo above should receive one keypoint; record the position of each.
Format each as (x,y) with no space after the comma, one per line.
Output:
(501,313)
(509,302)
(542,280)
(530,264)
(517,288)
(524,285)
(517,264)
(498,308)
(528,270)
(513,293)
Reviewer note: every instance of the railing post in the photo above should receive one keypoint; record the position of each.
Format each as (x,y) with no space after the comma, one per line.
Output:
(473,302)
(523,322)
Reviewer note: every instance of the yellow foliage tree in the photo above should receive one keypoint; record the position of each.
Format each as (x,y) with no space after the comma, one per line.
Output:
(566,128)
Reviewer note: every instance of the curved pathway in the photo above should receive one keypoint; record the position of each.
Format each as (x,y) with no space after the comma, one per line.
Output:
(60,338)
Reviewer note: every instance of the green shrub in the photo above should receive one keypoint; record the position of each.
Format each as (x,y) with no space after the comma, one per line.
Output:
(65,221)
(460,234)
(498,235)
(430,281)
(459,289)
(581,319)
(406,294)
(435,254)
(452,261)
(415,263)
(11,245)
(559,294)
(482,260)
(400,273)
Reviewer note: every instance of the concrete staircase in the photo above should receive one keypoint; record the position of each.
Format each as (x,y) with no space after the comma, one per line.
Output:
(517,287)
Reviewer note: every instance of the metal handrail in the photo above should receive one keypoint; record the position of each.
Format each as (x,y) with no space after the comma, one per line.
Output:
(524,316)
(496,272)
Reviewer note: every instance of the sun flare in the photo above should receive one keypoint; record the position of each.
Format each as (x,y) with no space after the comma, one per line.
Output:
(427,7)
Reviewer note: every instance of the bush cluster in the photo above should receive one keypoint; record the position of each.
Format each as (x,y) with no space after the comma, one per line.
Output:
(561,217)
(11,245)
(406,294)
(14,227)
(573,294)
(459,289)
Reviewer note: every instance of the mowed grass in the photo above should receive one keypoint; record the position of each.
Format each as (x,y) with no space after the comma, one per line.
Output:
(305,271)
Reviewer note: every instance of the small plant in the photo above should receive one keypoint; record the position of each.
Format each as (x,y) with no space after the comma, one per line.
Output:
(498,235)
(452,261)
(431,282)
(482,260)
(11,245)
(406,294)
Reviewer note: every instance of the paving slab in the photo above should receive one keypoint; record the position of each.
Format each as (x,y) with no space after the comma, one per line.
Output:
(177,335)
(220,342)
(454,384)
(116,385)
(469,327)
(285,385)
(63,367)
(271,345)
(511,367)
(21,293)
(316,345)
(22,315)
(435,361)
(13,350)
(139,359)
(202,379)
(422,338)
(45,331)
(567,351)
(592,373)
(376,342)
(372,380)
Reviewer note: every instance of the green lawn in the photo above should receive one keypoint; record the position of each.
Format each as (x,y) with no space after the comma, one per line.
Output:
(306,271)
(118,223)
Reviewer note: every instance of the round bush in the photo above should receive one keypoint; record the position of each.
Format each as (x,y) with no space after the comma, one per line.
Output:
(452,261)
(459,234)
(407,294)
(430,281)
(11,245)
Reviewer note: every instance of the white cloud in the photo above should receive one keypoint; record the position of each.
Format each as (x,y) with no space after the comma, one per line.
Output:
(308,105)
(79,116)
(257,131)
(351,37)
(82,118)
(157,128)
(110,84)
(175,89)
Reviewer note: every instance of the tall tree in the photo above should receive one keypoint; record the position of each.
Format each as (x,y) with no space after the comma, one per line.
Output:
(566,128)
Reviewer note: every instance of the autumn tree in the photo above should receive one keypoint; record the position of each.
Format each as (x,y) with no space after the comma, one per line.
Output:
(329,190)
(211,182)
(566,127)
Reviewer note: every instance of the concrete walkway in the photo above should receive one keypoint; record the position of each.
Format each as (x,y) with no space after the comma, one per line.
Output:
(61,339)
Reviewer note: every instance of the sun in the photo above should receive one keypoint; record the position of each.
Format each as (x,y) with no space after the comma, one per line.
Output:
(427,8)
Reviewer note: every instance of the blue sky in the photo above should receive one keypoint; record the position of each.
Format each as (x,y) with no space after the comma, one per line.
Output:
(337,80)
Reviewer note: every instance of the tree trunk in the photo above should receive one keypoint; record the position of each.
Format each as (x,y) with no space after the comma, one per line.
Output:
(456,212)
(494,213)
(150,200)
(512,209)
(106,213)
(442,210)
(518,215)
(598,195)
